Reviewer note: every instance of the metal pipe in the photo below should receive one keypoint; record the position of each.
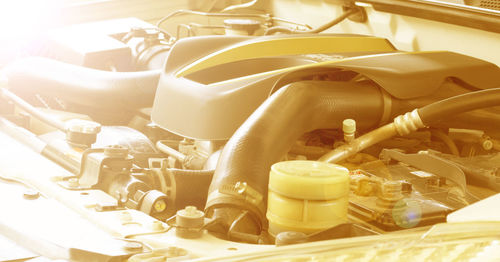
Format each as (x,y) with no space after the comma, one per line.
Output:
(369,139)
(170,151)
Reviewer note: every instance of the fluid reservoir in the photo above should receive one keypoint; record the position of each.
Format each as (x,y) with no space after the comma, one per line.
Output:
(306,196)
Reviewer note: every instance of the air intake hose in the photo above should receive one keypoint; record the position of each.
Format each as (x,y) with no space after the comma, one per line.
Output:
(238,191)
(82,85)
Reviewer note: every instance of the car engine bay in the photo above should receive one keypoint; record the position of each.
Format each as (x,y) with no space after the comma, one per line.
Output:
(252,133)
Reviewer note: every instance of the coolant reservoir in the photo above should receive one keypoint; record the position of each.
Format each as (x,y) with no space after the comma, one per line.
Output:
(306,196)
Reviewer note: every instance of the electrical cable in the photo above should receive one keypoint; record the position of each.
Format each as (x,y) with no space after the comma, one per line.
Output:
(320,29)
(447,140)
(183,11)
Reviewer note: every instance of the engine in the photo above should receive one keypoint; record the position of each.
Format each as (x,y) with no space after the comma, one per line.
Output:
(257,133)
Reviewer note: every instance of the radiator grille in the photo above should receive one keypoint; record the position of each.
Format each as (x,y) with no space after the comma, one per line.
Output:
(490,4)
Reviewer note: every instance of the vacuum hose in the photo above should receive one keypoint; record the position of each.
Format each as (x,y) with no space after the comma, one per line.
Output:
(241,177)
(459,104)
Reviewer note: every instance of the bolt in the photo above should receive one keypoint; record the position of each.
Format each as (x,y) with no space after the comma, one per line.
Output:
(487,144)
(116,151)
(133,246)
(190,212)
(189,222)
(392,191)
(31,194)
(157,226)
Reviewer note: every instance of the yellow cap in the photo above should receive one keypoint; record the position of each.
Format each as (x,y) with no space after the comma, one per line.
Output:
(309,180)
(349,126)
(306,196)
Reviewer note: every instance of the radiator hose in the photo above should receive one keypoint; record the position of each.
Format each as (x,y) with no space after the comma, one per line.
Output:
(82,85)
(238,192)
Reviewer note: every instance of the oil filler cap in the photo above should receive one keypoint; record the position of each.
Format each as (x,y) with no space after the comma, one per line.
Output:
(306,196)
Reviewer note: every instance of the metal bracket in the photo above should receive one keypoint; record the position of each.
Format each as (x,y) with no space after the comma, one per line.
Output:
(360,16)
(432,164)
(94,161)
(428,163)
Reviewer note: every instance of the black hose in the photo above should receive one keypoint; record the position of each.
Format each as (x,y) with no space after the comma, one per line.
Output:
(81,85)
(459,104)
(241,177)
(191,187)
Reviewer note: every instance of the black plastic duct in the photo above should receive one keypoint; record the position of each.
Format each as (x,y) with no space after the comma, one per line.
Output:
(81,85)
(238,192)
(191,187)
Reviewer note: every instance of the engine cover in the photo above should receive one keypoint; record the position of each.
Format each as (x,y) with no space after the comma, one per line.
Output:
(210,85)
